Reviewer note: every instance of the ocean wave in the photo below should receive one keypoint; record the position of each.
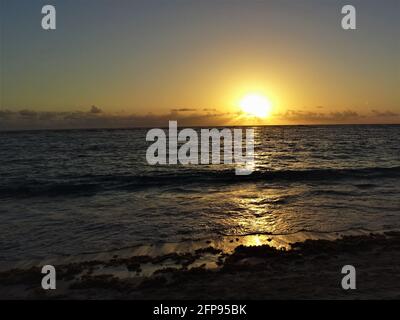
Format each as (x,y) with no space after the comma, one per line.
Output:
(92,184)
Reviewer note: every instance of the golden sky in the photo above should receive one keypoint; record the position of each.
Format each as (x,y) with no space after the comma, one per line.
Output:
(147,61)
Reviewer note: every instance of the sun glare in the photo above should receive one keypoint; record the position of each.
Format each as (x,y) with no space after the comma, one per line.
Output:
(256,105)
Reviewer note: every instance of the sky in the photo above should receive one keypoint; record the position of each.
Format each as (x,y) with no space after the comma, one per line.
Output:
(142,63)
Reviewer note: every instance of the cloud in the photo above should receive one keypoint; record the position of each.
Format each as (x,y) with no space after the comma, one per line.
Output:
(384,114)
(300,116)
(95,110)
(48,115)
(75,115)
(183,110)
(5,114)
(28,113)
(345,115)
(95,117)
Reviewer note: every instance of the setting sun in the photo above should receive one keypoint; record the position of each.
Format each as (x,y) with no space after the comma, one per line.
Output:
(256,105)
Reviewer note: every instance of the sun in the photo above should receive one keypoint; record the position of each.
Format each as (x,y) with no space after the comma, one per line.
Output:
(256,105)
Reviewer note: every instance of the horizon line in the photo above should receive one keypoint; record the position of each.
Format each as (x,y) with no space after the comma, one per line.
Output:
(199,127)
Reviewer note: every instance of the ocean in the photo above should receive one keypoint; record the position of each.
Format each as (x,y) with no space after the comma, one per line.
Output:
(69,192)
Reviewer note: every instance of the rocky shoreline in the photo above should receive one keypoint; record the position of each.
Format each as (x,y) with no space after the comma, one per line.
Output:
(308,270)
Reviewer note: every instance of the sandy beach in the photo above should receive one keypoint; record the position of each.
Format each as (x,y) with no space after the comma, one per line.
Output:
(307,270)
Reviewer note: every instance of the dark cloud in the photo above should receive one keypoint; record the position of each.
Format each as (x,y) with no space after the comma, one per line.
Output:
(28,113)
(183,110)
(96,118)
(345,115)
(95,110)
(319,117)
(384,114)
(209,110)
(48,115)
(5,114)
(27,119)
(73,115)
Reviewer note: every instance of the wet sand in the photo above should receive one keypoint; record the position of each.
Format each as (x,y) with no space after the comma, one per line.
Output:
(260,267)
